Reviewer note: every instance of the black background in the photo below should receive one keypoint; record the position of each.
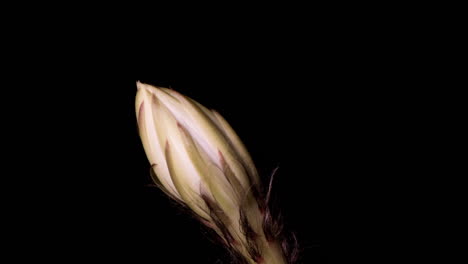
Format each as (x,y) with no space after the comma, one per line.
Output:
(318,101)
(312,111)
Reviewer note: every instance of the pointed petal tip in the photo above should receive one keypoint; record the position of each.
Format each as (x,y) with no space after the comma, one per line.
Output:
(155,100)
(139,85)
(166,146)
(221,156)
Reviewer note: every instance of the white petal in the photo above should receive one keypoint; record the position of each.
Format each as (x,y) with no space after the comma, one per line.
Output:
(237,145)
(182,161)
(151,140)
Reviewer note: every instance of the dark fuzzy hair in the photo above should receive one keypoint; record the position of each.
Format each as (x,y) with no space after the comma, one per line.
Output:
(272,225)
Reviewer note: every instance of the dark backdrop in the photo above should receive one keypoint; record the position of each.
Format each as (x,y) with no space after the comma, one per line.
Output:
(320,97)
(307,111)
(318,104)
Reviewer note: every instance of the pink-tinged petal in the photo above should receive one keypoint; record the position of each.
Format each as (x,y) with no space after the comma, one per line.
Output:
(178,173)
(211,175)
(149,137)
(238,146)
(211,139)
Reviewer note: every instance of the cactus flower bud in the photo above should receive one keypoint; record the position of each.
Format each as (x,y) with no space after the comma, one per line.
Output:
(198,160)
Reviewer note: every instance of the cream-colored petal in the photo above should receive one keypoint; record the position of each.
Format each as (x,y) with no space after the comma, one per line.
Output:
(158,142)
(209,137)
(150,140)
(237,145)
(179,171)
(211,175)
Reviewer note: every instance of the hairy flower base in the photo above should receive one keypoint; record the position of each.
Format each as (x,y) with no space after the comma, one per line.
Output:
(198,160)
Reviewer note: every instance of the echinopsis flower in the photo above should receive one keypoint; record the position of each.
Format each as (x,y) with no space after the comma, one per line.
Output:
(198,160)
